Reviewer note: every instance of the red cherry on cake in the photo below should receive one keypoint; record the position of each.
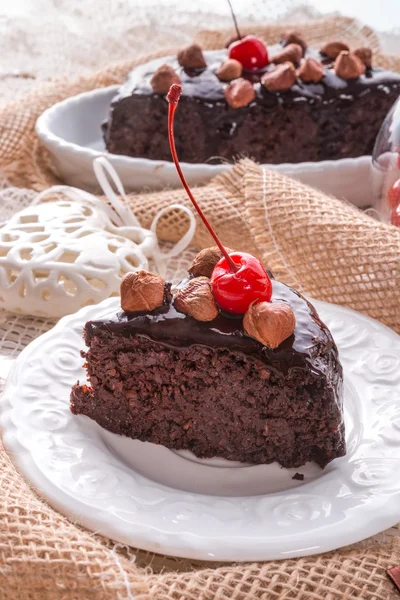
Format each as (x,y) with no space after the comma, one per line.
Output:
(395,216)
(238,279)
(394,195)
(234,292)
(251,52)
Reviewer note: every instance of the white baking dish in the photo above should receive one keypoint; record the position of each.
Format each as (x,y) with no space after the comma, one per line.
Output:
(71,131)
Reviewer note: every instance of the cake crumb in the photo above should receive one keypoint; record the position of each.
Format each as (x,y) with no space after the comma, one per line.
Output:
(298,476)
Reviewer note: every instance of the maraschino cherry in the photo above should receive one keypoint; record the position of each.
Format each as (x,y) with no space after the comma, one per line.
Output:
(238,279)
(394,195)
(395,216)
(250,51)
(234,292)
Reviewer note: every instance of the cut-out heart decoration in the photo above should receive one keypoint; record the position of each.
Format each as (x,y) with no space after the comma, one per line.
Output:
(58,256)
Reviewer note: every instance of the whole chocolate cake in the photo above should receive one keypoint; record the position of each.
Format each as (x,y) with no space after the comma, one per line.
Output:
(287,103)
(177,370)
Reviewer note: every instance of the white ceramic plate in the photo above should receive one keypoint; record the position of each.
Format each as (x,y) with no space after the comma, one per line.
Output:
(71,131)
(152,498)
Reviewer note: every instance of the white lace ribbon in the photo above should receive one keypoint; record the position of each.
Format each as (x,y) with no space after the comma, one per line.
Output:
(68,248)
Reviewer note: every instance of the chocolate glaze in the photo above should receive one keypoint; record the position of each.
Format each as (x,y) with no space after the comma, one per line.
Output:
(204,84)
(310,345)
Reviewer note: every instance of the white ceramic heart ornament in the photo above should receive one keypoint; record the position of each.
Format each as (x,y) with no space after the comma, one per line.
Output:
(58,256)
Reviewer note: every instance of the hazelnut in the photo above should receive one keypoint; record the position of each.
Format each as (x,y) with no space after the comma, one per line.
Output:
(163,78)
(294,37)
(141,291)
(365,55)
(333,49)
(311,71)
(239,92)
(291,53)
(192,57)
(205,261)
(269,323)
(279,79)
(230,69)
(195,299)
(348,66)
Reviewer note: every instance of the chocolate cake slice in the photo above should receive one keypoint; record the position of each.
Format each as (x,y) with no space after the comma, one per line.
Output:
(327,104)
(177,370)
(233,364)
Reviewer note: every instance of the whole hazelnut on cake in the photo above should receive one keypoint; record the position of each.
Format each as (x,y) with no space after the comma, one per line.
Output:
(229,70)
(292,53)
(310,71)
(239,92)
(142,290)
(348,66)
(163,78)
(192,57)
(280,79)
(196,299)
(333,49)
(294,37)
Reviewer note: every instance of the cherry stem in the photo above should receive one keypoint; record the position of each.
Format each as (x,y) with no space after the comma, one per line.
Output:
(173,96)
(234,20)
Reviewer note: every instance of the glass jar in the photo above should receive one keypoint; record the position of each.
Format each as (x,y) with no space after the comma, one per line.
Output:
(386,168)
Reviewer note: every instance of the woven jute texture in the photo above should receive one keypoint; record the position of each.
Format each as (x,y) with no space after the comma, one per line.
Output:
(321,245)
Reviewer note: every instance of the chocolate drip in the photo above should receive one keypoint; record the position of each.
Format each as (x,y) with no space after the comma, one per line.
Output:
(204,84)
(311,338)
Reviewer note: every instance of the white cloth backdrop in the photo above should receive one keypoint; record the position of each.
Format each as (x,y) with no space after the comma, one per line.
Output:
(40,39)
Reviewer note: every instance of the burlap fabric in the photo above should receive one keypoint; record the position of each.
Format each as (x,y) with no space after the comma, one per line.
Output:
(322,246)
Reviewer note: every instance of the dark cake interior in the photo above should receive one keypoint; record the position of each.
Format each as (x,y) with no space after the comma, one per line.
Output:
(208,387)
(334,118)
